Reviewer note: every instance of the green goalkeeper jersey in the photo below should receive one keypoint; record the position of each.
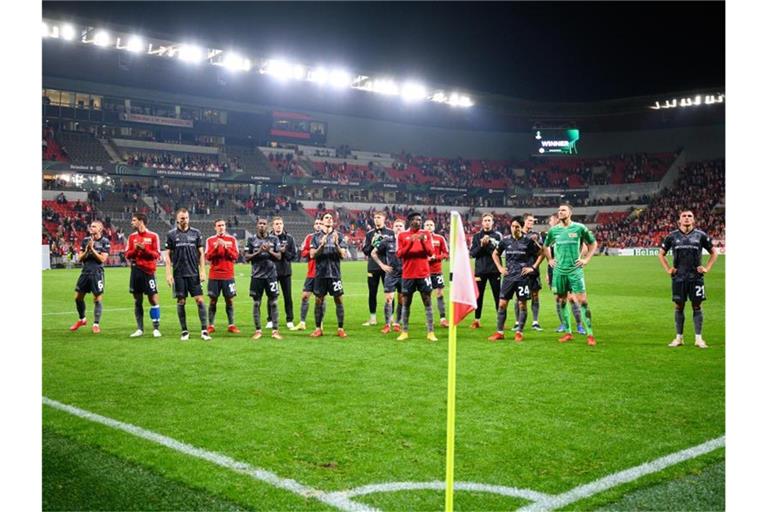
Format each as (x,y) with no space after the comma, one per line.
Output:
(567,241)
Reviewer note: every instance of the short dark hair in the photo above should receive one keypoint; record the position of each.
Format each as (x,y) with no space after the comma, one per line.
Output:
(519,220)
(181,210)
(528,214)
(412,214)
(219,220)
(142,217)
(565,204)
(487,214)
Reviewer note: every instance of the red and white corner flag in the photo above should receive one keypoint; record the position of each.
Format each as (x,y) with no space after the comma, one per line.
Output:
(464,290)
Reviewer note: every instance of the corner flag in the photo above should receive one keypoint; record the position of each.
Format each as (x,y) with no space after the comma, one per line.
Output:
(463,300)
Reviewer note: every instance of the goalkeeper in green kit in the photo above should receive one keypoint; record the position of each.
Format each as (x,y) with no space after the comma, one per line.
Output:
(568,267)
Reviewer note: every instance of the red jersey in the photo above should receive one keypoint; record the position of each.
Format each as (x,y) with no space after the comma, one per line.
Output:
(144,258)
(440,246)
(414,253)
(305,254)
(223,257)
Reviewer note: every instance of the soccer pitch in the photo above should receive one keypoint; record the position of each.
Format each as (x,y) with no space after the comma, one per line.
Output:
(235,424)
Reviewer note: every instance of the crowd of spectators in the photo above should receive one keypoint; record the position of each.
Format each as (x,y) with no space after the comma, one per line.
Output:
(345,173)
(285,164)
(186,162)
(700,188)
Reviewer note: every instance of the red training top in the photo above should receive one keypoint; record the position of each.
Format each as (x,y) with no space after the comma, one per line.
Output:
(305,254)
(222,257)
(144,258)
(414,253)
(440,246)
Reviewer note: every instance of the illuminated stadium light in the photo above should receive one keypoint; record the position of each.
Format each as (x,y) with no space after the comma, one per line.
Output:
(191,53)
(318,75)
(45,30)
(298,72)
(465,102)
(689,101)
(413,92)
(236,62)
(279,69)
(101,38)
(68,32)
(385,87)
(135,44)
(340,79)
(439,97)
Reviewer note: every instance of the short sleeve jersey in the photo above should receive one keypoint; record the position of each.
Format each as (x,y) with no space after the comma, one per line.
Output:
(687,249)
(538,240)
(519,253)
(263,264)
(387,252)
(567,241)
(185,251)
(327,259)
(91,265)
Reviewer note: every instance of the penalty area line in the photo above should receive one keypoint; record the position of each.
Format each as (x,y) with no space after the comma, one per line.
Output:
(332,499)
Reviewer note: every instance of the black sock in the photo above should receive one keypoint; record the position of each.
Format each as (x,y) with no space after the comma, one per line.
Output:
(576,312)
(521,317)
(406,314)
(230,314)
(398,313)
(138,312)
(80,304)
(212,313)
(441,306)
(679,321)
(535,310)
(182,313)
(698,321)
(274,311)
(257,314)
(517,313)
(387,312)
(340,314)
(319,313)
(202,315)
(501,319)
(304,309)
(430,317)
(97,308)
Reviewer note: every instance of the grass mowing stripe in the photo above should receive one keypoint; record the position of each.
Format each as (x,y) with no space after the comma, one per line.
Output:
(293,486)
(622,477)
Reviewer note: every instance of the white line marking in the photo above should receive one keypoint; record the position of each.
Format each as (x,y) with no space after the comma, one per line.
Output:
(440,486)
(333,499)
(622,477)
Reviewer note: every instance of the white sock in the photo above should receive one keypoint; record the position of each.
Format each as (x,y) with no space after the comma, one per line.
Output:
(699,338)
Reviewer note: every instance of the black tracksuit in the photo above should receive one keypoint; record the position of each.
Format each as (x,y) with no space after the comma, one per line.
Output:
(375,274)
(485,268)
(284,271)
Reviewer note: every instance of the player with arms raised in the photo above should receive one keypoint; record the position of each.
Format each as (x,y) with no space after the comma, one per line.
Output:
(568,266)
(94,251)
(143,251)
(221,251)
(687,273)
(414,247)
(328,248)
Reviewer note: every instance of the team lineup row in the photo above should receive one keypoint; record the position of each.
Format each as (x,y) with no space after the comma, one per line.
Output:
(405,260)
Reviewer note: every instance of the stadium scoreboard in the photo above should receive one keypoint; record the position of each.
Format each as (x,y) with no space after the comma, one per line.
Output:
(555,141)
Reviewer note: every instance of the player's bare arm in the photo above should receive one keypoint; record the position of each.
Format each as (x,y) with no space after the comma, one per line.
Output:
(168,267)
(201,259)
(375,256)
(582,262)
(497,262)
(703,269)
(669,269)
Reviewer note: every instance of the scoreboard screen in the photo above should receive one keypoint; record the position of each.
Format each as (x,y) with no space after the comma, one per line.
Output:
(555,141)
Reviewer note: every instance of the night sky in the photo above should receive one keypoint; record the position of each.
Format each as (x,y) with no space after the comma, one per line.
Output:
(547,51)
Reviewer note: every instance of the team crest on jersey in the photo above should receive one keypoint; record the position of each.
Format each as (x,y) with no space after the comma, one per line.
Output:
(573,235)
(146,240)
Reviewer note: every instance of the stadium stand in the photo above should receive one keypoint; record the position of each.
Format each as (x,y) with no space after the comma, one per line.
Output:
(83,148)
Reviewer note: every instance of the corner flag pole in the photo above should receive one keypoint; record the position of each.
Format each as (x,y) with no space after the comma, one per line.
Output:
(451,426)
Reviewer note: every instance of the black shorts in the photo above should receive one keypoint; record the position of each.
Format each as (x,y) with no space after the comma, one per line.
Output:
(393,282)
(309,285)
(142,282)
(260,286)
(438,281)
(90,283)
(688,289)
(520,287)
(535,280)
(328,286)
(183,286)
(410,286)
(218,287)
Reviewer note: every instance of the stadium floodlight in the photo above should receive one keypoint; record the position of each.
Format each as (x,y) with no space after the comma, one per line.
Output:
(465,101)
(191,53)
(385,87)
(68,32)
(101,38)
(298,72)
(318,75)
(135,44)
(45,29)
(279,69)
(340,79)
(236,62)
(439,97)
(413,92)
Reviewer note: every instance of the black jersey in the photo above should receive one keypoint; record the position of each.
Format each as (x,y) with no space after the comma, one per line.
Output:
(91,264)
(185,251)
(263,264)
(328,259)
(519,252)
(483,261)
(687,251)
(372,240)
(387,253)
(284,263)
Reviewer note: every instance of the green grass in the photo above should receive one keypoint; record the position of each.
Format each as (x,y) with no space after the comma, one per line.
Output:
(336,414)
